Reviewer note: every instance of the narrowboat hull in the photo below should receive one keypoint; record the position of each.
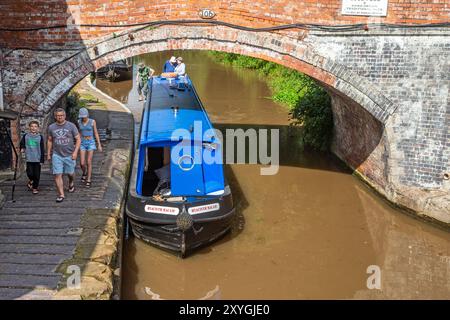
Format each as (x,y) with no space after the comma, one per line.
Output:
(115,71)
(166,231)
(185,218)
(115,75)
(182,242)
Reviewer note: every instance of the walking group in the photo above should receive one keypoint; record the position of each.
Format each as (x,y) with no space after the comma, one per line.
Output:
(174,65)
(65,141)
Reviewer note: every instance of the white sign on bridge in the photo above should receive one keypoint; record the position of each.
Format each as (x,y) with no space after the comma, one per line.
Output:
(373,8)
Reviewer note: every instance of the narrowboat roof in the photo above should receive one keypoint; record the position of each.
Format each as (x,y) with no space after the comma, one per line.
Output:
(168,109)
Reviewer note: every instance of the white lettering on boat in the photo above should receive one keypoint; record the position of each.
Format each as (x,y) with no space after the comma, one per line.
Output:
(205,208)
(161,209)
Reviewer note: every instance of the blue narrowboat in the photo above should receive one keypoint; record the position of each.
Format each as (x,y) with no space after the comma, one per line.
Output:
(178,197)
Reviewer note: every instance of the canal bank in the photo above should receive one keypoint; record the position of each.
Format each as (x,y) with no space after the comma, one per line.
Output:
(99,249)
(70,250)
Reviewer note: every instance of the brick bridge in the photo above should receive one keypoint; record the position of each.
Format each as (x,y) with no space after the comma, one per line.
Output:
(389,77)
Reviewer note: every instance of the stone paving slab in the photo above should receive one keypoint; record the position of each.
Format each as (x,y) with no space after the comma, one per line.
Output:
(25,294)
(31,259)
(57,232)
(24,216)
(29,269)
(44,211)
(36,248)
(33,224)
(40,239)
(28,281)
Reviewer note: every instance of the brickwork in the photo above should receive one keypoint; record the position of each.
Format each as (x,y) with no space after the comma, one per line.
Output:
(358,139)
(390,86)
(36,13)
(414,73)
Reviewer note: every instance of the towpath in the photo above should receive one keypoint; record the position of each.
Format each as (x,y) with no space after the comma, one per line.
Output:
(43,243)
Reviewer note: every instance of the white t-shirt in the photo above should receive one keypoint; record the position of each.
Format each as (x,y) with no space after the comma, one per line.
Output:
(181,69)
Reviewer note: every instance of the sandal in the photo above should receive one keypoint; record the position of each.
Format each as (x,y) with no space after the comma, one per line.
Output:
(30,185)
(35,191)
(88,184)
(60,199)
(83,178)
(71,187)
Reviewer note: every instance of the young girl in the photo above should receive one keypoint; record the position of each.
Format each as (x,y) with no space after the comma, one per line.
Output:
(88,130)
(32,144)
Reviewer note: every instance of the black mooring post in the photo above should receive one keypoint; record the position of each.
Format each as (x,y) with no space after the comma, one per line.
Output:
(15,165)
(9,115)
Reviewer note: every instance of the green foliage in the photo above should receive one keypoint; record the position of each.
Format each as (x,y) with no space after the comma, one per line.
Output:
(74,104)
(289,86)
(309,104)
(313,113)
(92,76)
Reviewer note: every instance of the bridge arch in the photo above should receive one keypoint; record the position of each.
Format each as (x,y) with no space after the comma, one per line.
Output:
(360,109)
(279,48)
(385,74)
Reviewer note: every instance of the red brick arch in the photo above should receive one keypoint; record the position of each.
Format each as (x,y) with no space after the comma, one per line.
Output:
(393,67)
(262,13)
(282,49)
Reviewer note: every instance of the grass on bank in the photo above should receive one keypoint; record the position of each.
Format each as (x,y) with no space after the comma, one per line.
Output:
(75,101)
(309,104)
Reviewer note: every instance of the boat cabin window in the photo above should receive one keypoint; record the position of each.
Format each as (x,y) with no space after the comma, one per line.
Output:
(156,169)
(181,177)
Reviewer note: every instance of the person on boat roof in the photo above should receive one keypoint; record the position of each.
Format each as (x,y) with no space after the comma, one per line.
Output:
(142,76)
(170,65)
(181,67)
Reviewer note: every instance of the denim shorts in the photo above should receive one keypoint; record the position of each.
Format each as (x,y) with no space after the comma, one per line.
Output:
(87,145)
(63,165)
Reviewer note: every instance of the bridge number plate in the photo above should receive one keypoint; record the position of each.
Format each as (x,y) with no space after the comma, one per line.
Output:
(206,14)
(371,8)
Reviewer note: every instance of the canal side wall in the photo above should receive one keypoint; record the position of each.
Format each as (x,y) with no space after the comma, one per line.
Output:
(411,163)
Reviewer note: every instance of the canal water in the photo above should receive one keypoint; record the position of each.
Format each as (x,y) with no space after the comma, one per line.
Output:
(312,231)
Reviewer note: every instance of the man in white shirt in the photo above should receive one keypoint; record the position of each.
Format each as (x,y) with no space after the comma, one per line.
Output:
(181,67)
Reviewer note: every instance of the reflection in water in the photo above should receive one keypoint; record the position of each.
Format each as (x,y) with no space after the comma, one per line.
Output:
(309,231)
(213,294)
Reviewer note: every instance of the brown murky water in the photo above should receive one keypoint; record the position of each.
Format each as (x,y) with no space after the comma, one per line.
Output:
(309,232)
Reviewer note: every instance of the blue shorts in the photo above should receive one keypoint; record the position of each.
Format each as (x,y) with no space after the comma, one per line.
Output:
(87,145)
(63,165)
